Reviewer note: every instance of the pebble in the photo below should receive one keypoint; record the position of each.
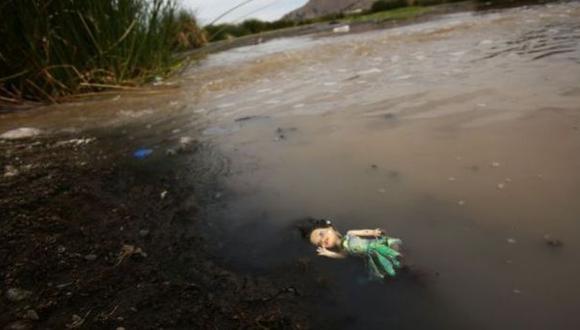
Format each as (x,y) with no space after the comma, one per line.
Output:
(185,140)
(10,171)
(18,325)
(461,203)
(17,294)
(163,194)
(553,242)
(91,257)
(20,133)
(31,314)
(63,285)
(382,190)
(143,232)
(500,186)
(516,291)
(511,240)
(495,164)
(171,152)
(451,179)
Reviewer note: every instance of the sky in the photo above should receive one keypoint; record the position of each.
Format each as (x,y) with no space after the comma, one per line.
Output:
(268,10)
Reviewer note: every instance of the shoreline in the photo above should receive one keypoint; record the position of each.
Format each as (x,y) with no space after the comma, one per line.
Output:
(93,239)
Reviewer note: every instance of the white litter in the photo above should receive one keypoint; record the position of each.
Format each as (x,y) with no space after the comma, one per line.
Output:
(341,29)
(20,133)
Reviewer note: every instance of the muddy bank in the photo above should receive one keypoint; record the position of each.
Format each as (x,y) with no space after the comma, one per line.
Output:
(93,238)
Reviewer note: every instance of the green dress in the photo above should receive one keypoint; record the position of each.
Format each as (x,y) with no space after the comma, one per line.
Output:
(381,253)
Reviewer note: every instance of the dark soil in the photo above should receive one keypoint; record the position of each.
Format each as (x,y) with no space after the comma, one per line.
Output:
(99,240)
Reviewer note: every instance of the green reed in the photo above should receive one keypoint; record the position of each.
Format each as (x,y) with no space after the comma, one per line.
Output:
(54,48)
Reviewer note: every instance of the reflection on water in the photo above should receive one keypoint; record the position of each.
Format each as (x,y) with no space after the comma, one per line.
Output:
(459,135)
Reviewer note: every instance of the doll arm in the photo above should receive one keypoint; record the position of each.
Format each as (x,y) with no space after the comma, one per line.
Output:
(366,232)
(331,254)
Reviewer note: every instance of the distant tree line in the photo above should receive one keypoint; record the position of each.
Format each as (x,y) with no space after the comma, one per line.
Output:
(225,31)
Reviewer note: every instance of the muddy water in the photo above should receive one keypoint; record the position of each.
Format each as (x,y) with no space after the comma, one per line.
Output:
(459,136)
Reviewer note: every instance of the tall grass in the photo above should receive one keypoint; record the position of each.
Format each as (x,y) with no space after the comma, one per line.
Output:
(53,48)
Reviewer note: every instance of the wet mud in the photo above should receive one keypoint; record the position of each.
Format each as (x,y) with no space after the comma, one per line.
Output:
(93,238)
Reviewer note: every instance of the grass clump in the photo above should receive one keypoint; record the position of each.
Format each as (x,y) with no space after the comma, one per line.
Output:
(51,49)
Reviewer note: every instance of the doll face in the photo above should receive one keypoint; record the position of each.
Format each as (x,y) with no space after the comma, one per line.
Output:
(325,237)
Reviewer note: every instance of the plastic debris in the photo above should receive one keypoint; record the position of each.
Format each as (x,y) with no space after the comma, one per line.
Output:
(128,251)
(163,194)
(77,142)
(341,29)
(369,71)
(461,203)
(511,240)
(500,186)
(495,164)
(20,133)
(142,153)
(77,321)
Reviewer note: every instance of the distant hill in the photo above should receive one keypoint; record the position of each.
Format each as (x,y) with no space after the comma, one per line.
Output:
(317,8)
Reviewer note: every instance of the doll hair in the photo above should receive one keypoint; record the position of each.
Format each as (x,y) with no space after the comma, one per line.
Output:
(308,225)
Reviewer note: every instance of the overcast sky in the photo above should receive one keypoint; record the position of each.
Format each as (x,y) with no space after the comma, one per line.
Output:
(208,10)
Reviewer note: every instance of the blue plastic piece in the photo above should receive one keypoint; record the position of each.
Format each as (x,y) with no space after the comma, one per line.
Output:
(142,153)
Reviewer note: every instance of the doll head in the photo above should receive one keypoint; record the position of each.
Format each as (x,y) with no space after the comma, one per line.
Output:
(320,233)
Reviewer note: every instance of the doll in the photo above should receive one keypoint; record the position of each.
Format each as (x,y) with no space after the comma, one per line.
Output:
(380,251)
